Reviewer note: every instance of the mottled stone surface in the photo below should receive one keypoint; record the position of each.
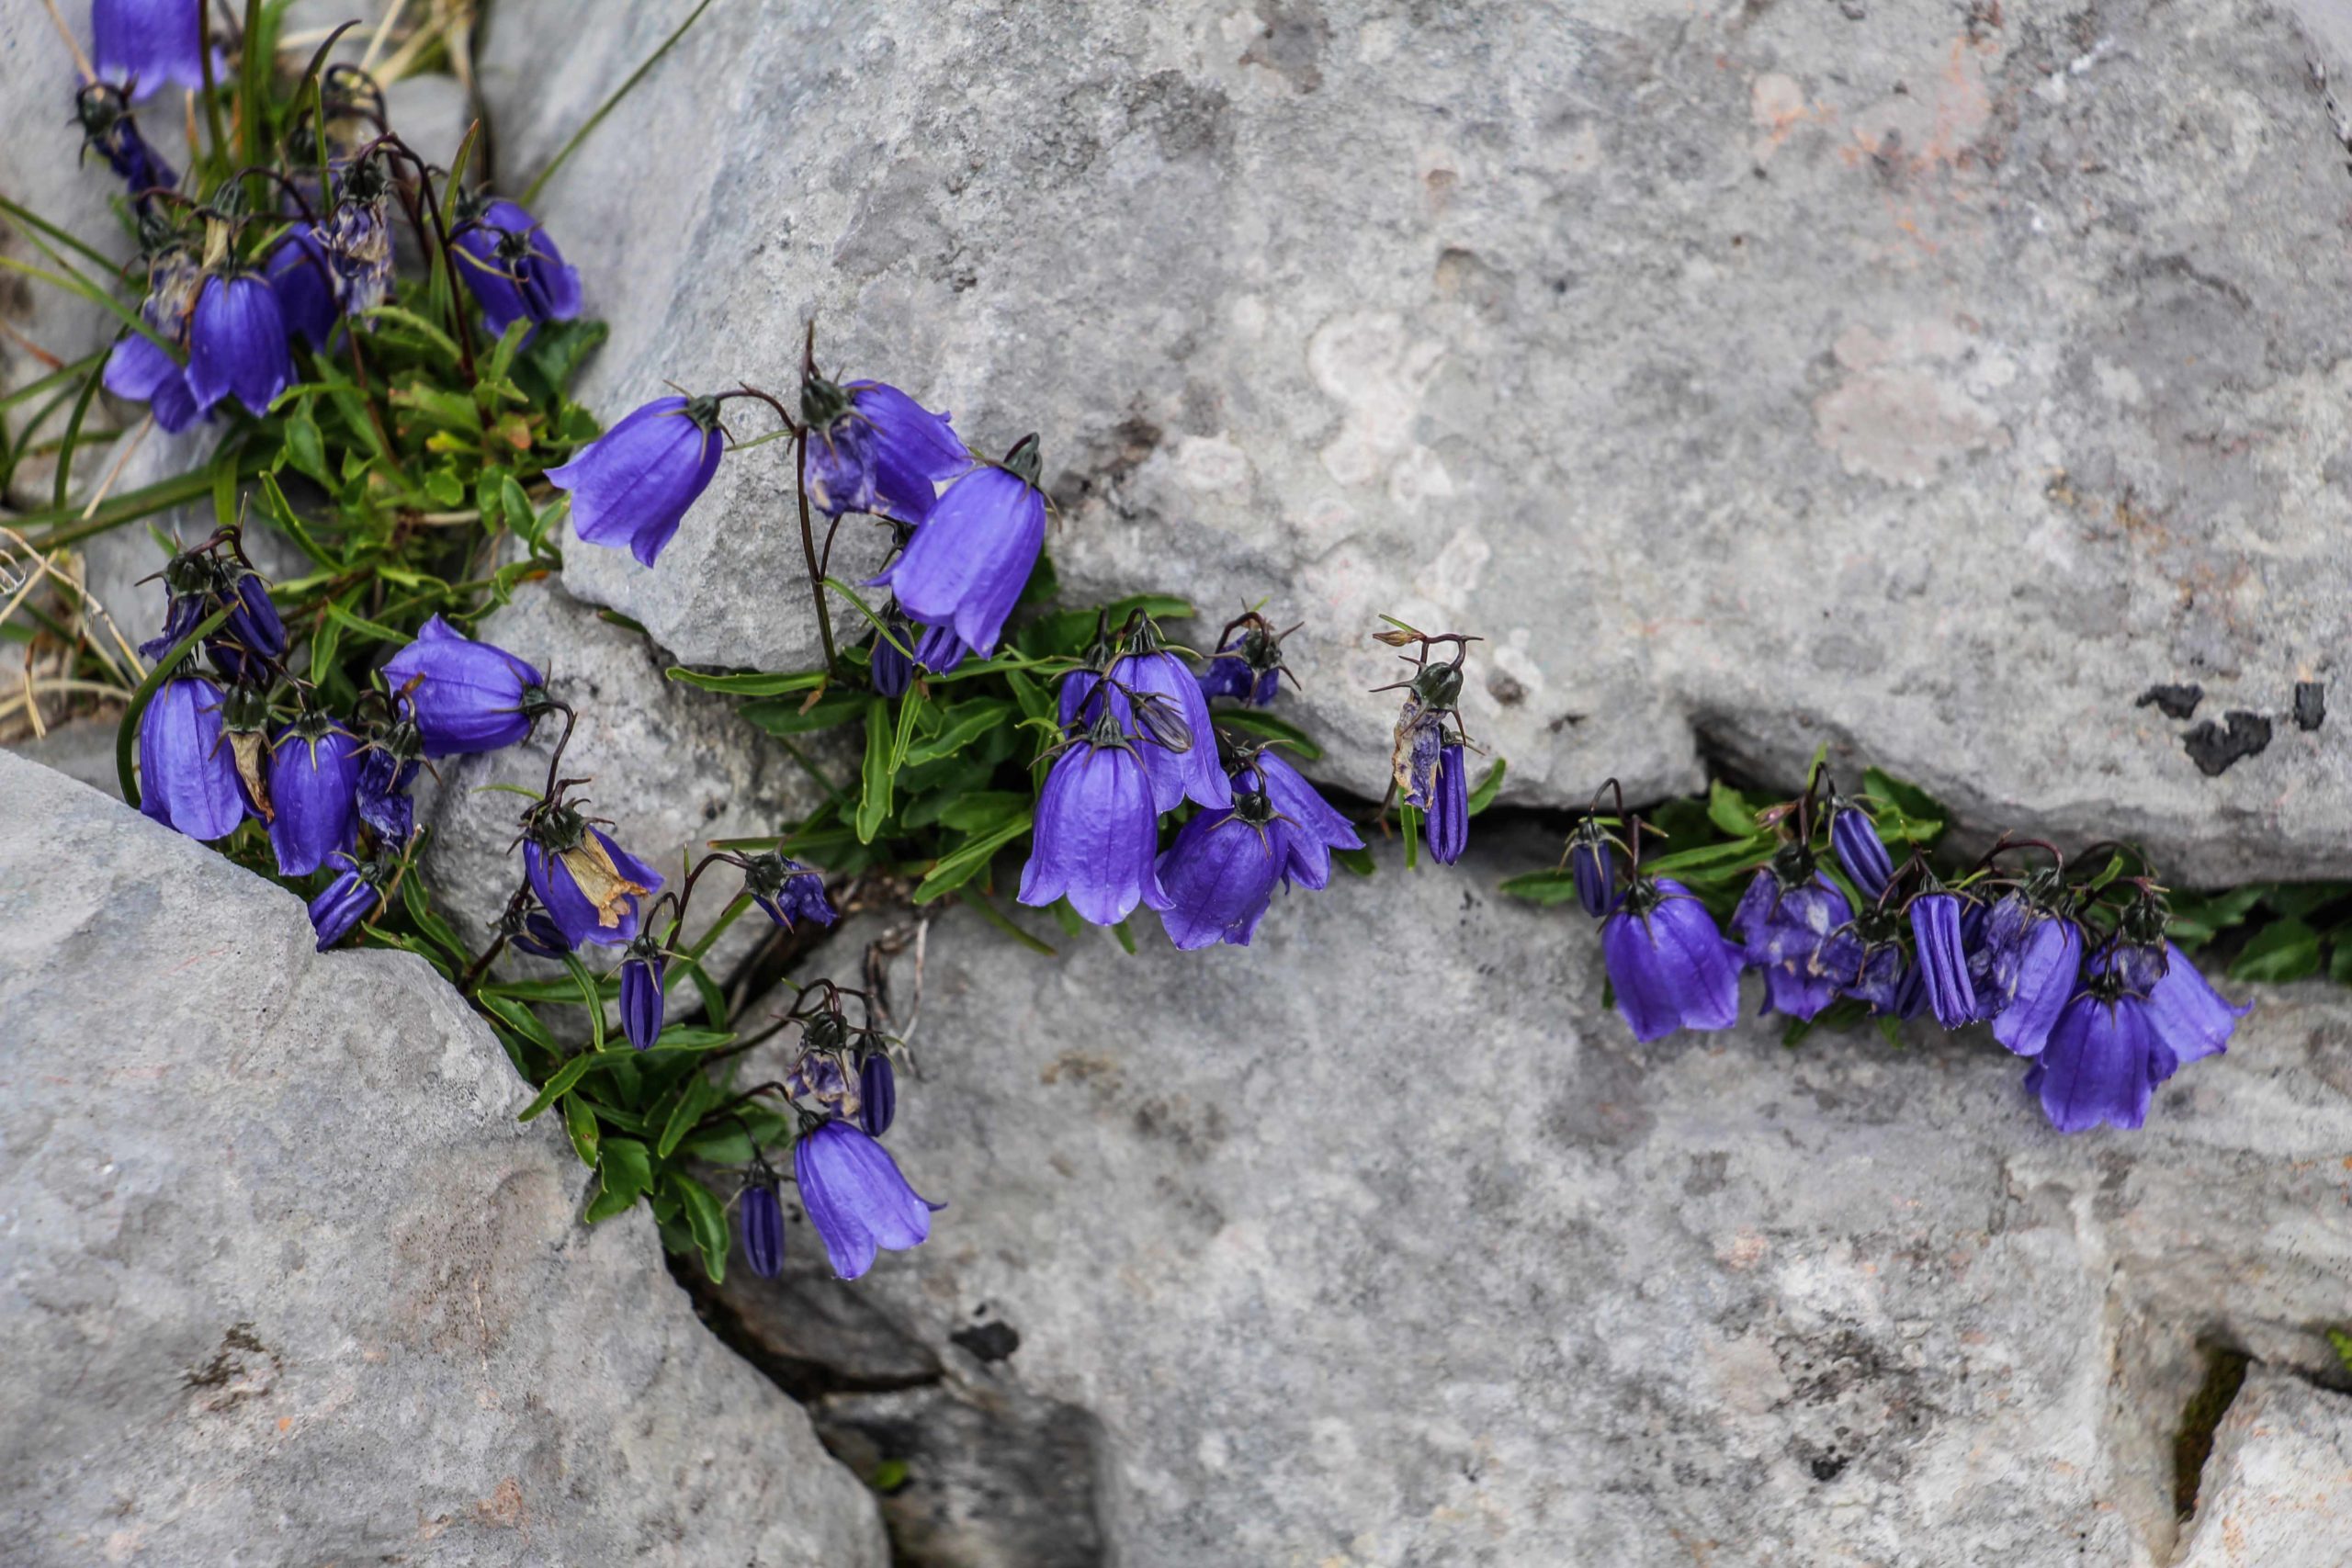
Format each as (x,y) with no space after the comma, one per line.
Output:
(283,1280)
(1380,1243)
(2277,1491)
(1921,377)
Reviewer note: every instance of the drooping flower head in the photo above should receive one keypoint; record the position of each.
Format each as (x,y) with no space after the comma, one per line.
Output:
(1854,839)
(187,775)
(759,1220)
(1219,874)
(467,695)
(873,448)
(1592,865)
(112,130)
(1448,806)
(145,43)
(307,284)
(144,370)
(589,885)
(787,891)
(1247,664)
(967,564)
(387,768)
(1307,827)
(350,899)
(252,639)
(2036,952)
(878,1093)
(1153,700)
(1943,954)
(641,976)
(237,344)
(356,238)
(1784,921)
(1420,737)
(1097,832)
(892,666)
(1669,964)
(513,266)
(631,485)
(1864,959)
(2102,1060)
(857,1197)
(313,780)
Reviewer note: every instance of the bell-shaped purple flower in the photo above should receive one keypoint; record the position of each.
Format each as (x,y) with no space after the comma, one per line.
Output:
(1220,873)
(108,126)
(467,695)
(2190,1019)
(1168,718)
(641,976)
(857,1197)
(253,638)
(632,484)
(1247,666)
(913,450)
(939,649)
(2033,979)
(589,885)
(1306,826)
(1854,839)
(1097,833)
(1592,865)
(1784,921)
(878,1093)
(314,779)
(1670,967)
(539,936)
(347,900)
(145,43)
(759,1221)
(305,282)
(387,768)
(1449,807)
(187,775)
(967,563)
(1943,957)
(237,344)
(2100,1063)
(787,891)
(515,269)
(140,370)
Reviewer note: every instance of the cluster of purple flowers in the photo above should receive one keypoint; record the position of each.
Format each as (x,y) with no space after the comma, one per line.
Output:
(1429,752)
(2077,975)
(231,294)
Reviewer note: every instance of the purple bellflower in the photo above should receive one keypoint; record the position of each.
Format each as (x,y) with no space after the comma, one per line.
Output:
(1449,806)
(253,638)
(2102,1061)
(873,448)
(314,778)
(1097,834)
(1306,826)
(1783,921)
(1220,873)
(515,269)
(1943,956)
(856,1197)
(759,1220)
(1592,866)
(787,891)
(467,695)
(1854,837)
(967,563)
(387,768)
(108,126)
(2190,1019)
(356,240)
(588,884)
(633,484)
(641,975)
(892,666)
(539,935)
(140,369)
(305,284)
(878,1093)
(2033,979)
(187,772)
(940,649)
(1247,666)
(145,43)
(237,344)
(1155,702)
(1669,965)
(350,899)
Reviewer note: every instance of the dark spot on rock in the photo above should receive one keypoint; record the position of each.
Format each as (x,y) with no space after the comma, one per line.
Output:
(1708,1173)
(2215,750)
(2311,704)
(1829,1466)
(2173,702)
(1105,460)
(1291,43)
(989,1341)
(1510,694)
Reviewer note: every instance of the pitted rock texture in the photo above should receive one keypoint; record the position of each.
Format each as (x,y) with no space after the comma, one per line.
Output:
(285,1281)
(1923,378)
(1382,1243)
(2278,1490)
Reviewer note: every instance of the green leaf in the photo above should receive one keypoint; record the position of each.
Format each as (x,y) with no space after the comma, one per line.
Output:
(912,709)
(961,724)
(1484,795)
(1357,863)
(778,717)
(1907,814)
(959,866)
(2304,899)
(1545,888)
(750,683)
(1125,933)
(1728,810)
(519,1019)
(1258,722)
(705,1219)
(979,812)
(566,1076)
(2197,918)
(624,1171)
(2283,950)
(874,798)
(414,898)
(697,1097)
(2342,1340)
(581,1122)
(1005,923)
(592,997)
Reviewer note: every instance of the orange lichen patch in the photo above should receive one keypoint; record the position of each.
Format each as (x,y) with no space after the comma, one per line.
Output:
(1777,106)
